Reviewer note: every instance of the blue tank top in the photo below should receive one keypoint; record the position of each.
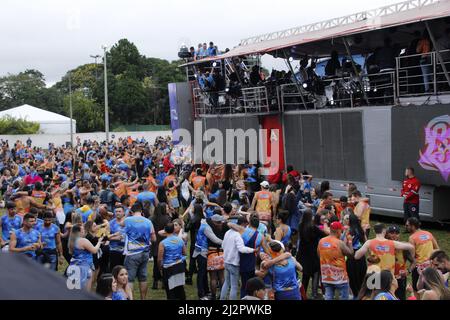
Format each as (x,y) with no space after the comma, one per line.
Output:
(119,295)
(384,296)
(25,239)
(201,241)
(173,250)
(252,239)
(287,237)
(48,236)
(285,277)
(251,174)
(81,256)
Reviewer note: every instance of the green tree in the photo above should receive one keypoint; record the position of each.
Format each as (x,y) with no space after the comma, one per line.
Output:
(88,114)
(27,87)
(10,125)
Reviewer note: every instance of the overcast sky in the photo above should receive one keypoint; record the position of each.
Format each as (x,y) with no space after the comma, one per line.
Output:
(54,36)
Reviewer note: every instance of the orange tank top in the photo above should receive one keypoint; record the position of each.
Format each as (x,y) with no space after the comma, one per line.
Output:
(264,201)
(39,196)
(332,261)
(385,250)
(423,241)
(198,182)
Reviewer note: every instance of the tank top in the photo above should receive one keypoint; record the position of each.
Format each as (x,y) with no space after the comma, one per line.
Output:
(332,261)
(264,202)
(287,237)
(39,196)
(198,182)
(284,277)
(173,250)
(423,241)
(247,261)
(385,250)
(81,256)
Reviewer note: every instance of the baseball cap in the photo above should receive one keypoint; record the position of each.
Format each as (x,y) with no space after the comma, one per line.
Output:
(336,226)
(265,184)
(393,229)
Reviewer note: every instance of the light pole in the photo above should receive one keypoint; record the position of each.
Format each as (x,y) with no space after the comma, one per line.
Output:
(96,65)
(106,96)
(70,109)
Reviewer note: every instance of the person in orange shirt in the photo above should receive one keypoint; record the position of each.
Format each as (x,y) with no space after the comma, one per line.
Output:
(424,244)
(171,177)
(383,248)
(263,204)
(199,181)
(332,252)
(424,48)
(362,211)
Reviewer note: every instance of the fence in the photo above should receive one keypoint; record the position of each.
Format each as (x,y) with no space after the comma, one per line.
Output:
(42,140)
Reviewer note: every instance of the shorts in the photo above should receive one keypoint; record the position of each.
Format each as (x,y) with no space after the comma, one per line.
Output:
(216,261)
(136,266)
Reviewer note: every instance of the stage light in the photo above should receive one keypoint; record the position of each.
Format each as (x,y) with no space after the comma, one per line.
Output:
(214,64)
(305,85)
(291,59)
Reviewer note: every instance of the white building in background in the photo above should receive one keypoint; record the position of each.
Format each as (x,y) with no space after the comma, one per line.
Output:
(50,122)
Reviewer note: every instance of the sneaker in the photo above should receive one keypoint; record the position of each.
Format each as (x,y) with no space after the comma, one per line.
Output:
(204,298)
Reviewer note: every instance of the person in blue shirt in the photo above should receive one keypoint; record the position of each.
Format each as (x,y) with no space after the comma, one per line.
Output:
(81,265)
(283,272)
(121,289)
(283,232)
(146,196)
(212,51)
(171,262)
(26,240)
(51,242)
(9,223)
(140,234)
(388,285)
(160,175)
(117,239)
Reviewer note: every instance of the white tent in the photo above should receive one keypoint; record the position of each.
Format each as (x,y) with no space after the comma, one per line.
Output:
(50,122)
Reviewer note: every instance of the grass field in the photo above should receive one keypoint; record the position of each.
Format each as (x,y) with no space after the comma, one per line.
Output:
(442,235)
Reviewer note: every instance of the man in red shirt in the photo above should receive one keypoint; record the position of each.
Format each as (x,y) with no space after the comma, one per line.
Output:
(410,194)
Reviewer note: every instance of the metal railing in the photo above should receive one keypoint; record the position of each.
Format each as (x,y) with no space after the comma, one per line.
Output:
(342,92)
(341,21)
(422,74)
(249,100)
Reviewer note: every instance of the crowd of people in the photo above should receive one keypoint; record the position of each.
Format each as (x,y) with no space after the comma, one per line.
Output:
(341,79)
(101,212)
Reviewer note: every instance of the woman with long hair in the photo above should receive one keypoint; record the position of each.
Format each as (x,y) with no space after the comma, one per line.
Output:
(121,289)
(192,227)
(82,250)
(434,287)
(365,293)
(91,228)
(283,231)
(388,285)
(309,237)
(160,219)
(105,286)
(72,219)
(356,269)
